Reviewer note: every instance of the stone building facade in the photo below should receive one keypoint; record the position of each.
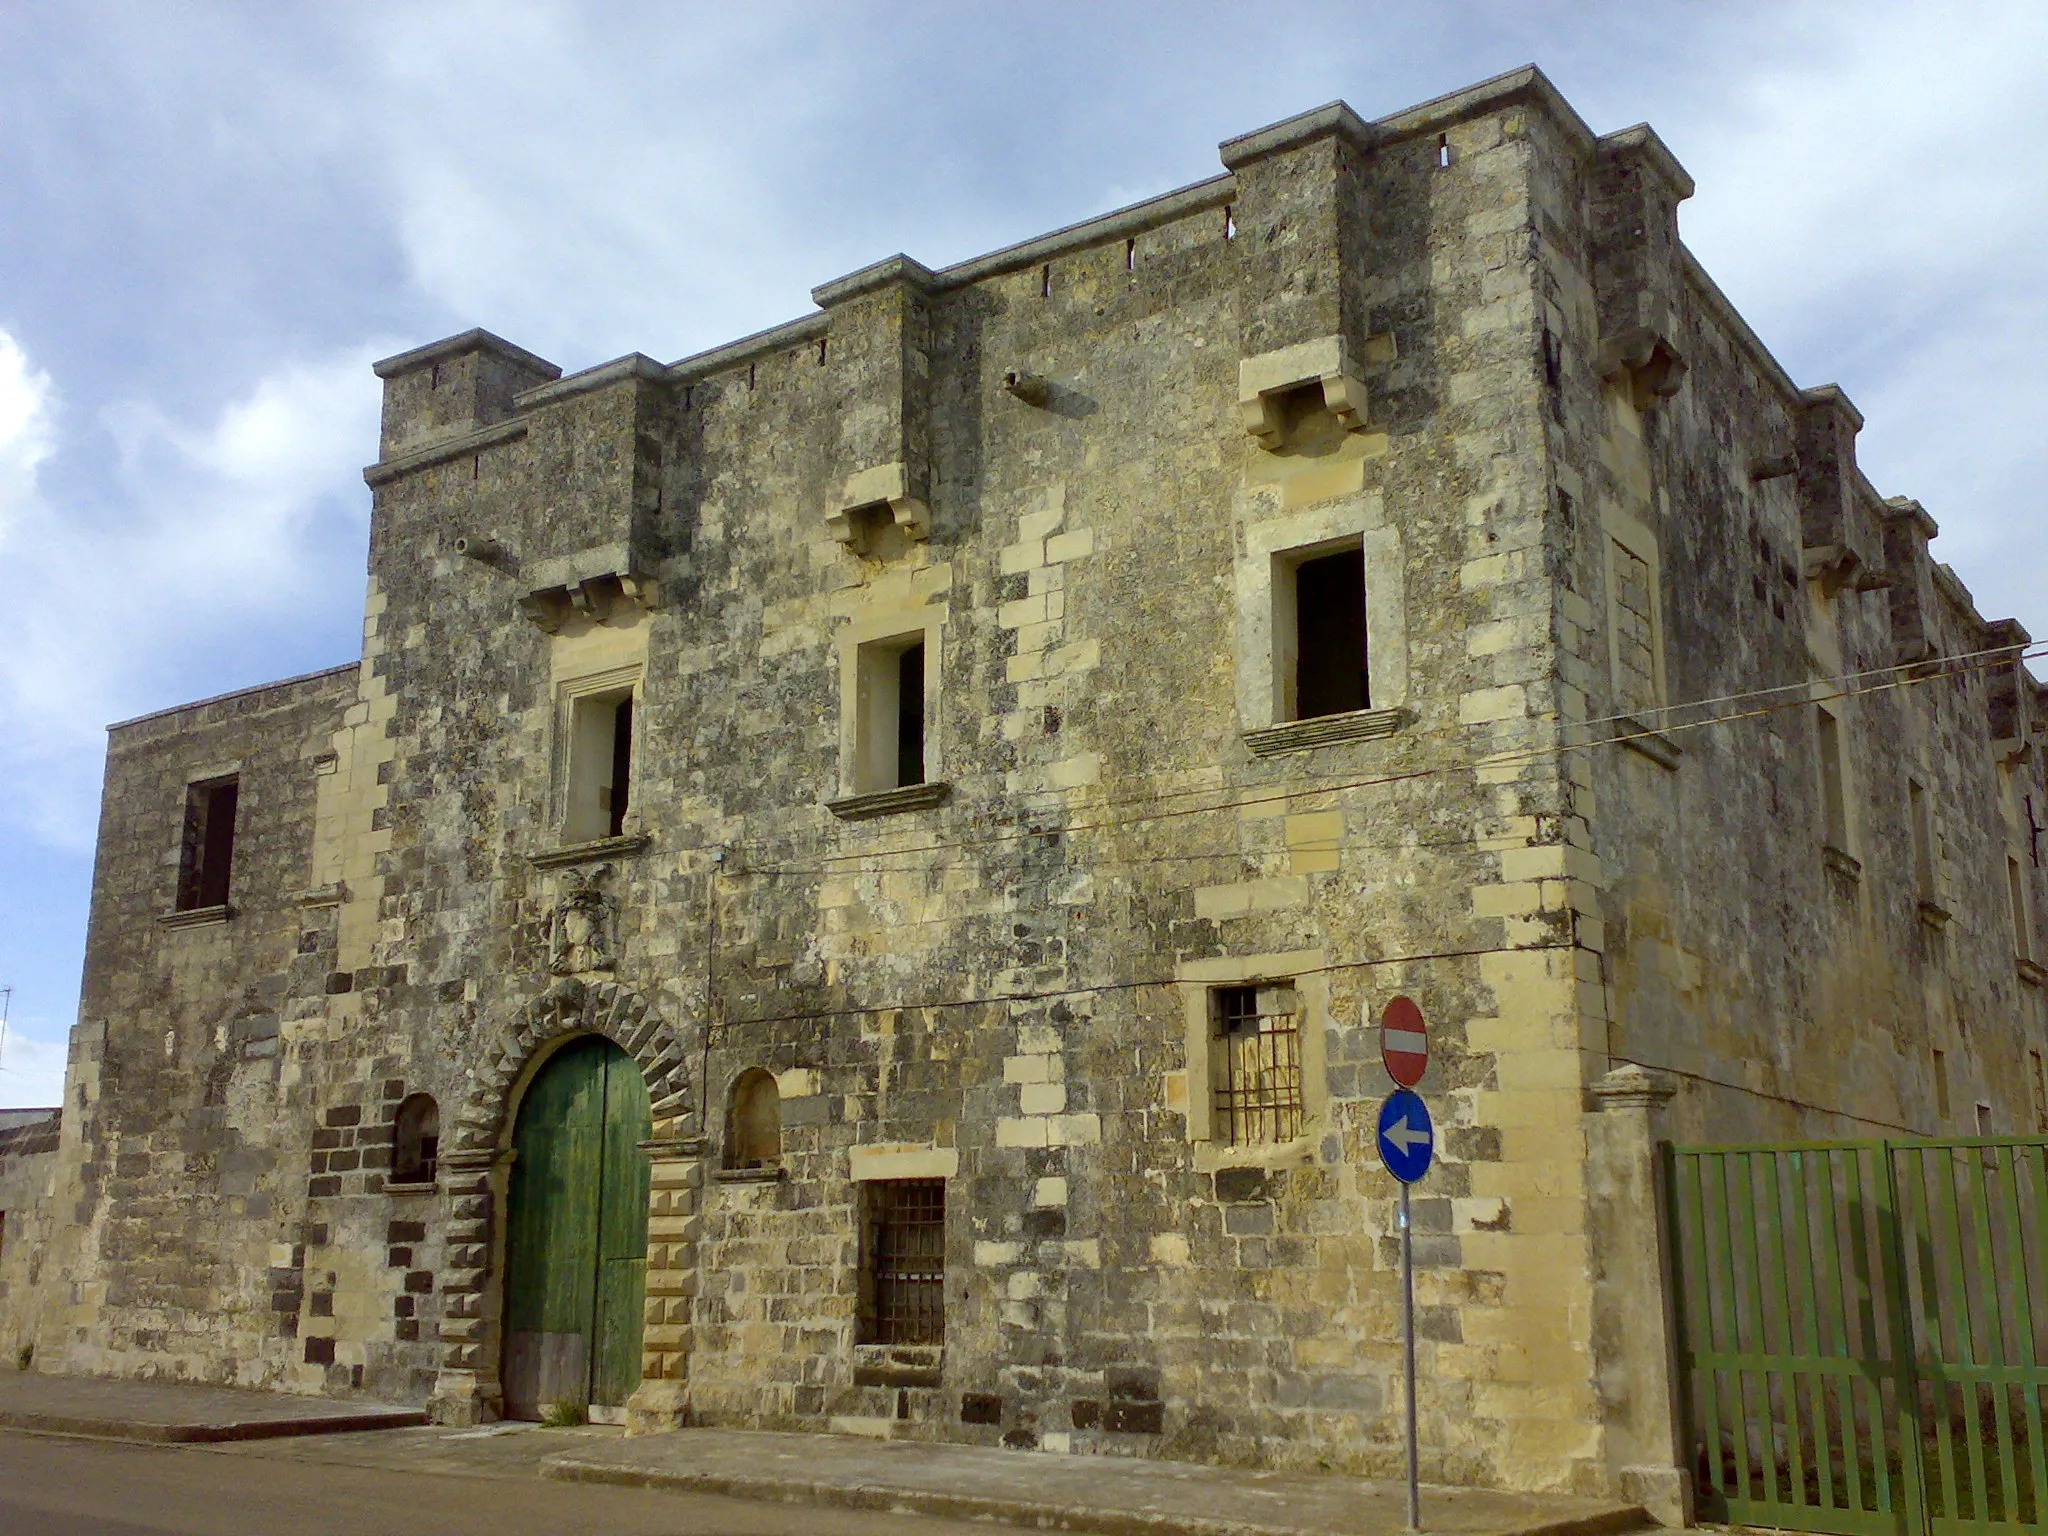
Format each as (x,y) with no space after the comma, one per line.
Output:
(929,758)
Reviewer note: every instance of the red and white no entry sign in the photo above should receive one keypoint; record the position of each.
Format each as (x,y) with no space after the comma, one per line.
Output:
(1404,1042)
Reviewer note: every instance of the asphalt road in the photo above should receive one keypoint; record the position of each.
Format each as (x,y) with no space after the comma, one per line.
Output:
(58,1486)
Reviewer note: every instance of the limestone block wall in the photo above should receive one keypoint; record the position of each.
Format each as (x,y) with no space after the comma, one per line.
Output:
(1719,544)
(1462,340)
(176,1217)
(28,1167)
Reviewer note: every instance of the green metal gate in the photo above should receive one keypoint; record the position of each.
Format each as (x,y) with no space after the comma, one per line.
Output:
(1863,1333)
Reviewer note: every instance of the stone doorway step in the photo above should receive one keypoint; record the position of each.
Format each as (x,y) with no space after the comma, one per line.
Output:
(179,1412)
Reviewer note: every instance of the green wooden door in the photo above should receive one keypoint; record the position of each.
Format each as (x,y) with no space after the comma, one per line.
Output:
(576,1236)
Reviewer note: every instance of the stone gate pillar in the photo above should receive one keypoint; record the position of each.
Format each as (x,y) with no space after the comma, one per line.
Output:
(1633,1332)
(467,1390)
(676,1186)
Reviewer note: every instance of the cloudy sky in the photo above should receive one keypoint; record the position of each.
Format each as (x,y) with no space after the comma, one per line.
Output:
(214,216)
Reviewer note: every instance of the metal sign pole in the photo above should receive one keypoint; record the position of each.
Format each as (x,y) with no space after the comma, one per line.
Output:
(1408,1346)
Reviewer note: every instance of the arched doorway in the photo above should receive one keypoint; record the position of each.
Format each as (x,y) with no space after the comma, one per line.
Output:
(576,1234)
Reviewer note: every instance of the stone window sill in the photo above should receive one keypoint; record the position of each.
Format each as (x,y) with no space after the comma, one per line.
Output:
(750,1175)
(1324,731)
(590,852)
(195,917)
(898,1365)
(1272,1156)
(1847,865)
(889,802)
(2031,972)
(412,1187)
(1655,745)
(1934,914)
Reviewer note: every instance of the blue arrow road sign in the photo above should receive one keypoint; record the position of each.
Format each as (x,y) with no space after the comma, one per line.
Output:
(1407,1138)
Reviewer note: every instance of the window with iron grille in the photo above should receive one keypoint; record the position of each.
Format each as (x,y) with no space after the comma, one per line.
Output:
(906,1261)
(1256,1056)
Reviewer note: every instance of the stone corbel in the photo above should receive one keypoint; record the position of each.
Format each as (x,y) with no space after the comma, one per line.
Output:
(1325,364)
(1646,362)
(1836,566)
(887,491)
(592,585)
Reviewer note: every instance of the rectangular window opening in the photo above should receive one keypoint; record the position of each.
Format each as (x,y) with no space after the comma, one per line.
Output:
(891,716)
(2016,895)
(1834,807)
(207,850)
(1941,1084)
(906,1262)
(1923,839)
(600,765)
(1256,1076)
(2040,1086)
(622,768)
(1329,638)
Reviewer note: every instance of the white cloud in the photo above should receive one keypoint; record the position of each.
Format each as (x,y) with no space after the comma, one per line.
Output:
(222,532)
(26,438)
(31,1069)
(1875,205)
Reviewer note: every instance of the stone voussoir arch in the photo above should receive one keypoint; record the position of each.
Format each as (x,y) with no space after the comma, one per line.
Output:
(570,1007)
(467,1391)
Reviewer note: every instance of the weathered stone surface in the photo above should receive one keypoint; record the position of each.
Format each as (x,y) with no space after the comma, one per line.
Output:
(1464,341)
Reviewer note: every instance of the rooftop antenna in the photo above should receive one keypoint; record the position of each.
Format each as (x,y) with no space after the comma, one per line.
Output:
(6,1003)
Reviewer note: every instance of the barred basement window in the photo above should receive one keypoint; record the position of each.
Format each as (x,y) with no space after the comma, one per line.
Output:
(416,1141)
(207,849)
(906,1262)
(1255,1071)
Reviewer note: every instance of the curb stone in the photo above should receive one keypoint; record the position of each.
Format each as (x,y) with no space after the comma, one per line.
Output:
(1042,1514)
(158,1432)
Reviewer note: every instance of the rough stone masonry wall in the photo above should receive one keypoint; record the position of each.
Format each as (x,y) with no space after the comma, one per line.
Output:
(1795,992)
(989,980)
(178,1221)
(28,1166)
(1113,1282)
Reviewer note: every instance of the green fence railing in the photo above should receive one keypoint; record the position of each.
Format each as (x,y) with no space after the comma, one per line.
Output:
(1863,1333)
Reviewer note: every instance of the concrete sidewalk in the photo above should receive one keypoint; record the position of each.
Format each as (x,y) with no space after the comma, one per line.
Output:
(178,1411)
(1109,1495)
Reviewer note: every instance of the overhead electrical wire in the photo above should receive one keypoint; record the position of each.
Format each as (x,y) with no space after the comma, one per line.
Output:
(1927,671)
